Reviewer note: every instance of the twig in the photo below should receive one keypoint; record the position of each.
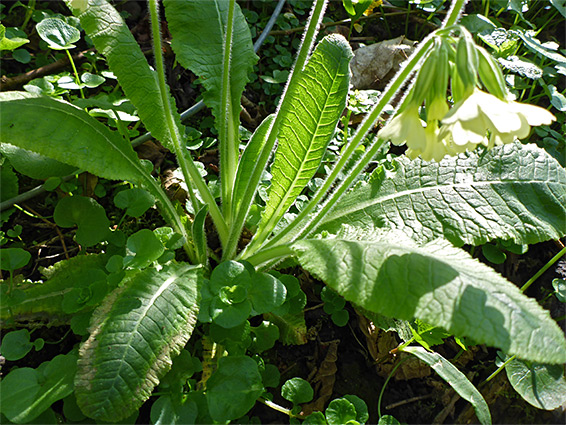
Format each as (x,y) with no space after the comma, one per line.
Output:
(407,401)
(53,225)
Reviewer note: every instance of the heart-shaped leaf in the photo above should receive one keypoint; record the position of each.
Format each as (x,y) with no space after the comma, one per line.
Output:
(13,258)
(87,214)
(58,34)
(136,201)
(144,248)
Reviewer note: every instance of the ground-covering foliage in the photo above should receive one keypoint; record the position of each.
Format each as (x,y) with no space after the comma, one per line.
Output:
(302,250)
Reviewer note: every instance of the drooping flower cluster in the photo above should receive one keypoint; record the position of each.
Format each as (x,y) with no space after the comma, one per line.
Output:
(489,118)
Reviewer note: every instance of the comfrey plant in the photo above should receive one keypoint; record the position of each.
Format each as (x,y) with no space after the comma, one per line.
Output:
(389,244)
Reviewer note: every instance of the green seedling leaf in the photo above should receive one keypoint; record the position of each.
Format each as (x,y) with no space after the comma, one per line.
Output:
(270,376)
(34,165)
(135,332)
(493,254)
(58,34)
(388,420)
(238,333)
(25,393)
(292,327)
(89,289)
(265,336)
(168,410)
(92,80)
(456,379)
(169,238)
(315,418)
(143,249)
(436,283)
(513,192)
(184,366)
(541,385)
(362,414)
(87,214)
(15,345)
(229,273)
(233,388)
(136,201)
(340,411)
(309,121)
(13,258)
(297,391)
(340,317)
(229,315)
(10,43)
(266,293)
(559,286)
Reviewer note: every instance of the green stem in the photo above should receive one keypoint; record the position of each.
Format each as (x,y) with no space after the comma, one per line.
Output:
(228,131)
(77,79)
(302,57)
(543,269)
(268,256)
(385,384)
(275,406)
(499,369)
(188,167)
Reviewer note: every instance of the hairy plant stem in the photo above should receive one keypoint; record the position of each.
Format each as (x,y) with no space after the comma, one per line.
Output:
(190,172)
(77,79)
(228,130)
(302,56)
(304,223)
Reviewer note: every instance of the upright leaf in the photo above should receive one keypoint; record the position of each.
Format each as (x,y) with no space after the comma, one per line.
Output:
(456,379)
(112,38)
(221,53)
(309,121)
(135,332)
(515,192)
(68,134)
(441,285)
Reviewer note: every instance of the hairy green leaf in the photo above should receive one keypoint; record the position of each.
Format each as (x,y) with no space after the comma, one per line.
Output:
(34,165)
(310,118)
(515,192)
(42,301)
(456,379)
(135,332)
(441,285)
(201,34)
(112,38)
(67,134)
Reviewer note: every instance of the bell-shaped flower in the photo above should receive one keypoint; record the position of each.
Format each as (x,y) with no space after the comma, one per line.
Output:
(470,120)
(406,127)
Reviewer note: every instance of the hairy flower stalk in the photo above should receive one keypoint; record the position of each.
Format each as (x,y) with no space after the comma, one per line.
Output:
(489,118)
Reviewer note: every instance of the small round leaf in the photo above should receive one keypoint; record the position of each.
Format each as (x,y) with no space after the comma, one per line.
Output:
(15,345)
(13,258)
(266,293)
(136,201)
(297,391)
(58,34)
(144,248)
(340,411)
(87,214)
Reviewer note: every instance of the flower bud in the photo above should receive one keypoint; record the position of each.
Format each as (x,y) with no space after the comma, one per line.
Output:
(426,76)
(467,62)
(490,74)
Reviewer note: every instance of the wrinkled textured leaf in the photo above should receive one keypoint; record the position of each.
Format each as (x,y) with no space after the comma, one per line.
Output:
(198,29)
(310,117)
(456,379)
(515,192)
(34,165)
(112,38)
(542,385)
(67,134)
(135,332)
(438,284)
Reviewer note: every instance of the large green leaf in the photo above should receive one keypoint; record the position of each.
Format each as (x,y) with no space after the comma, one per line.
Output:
(42,301)
(456,379)
(310,118)
(68,134)
(388,273)
(515,192)
(135,332)
(213,40)
(112,38)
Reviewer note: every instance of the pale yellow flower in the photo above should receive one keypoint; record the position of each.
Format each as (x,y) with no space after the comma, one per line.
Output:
(80,5)
(470,120)
(406,127)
